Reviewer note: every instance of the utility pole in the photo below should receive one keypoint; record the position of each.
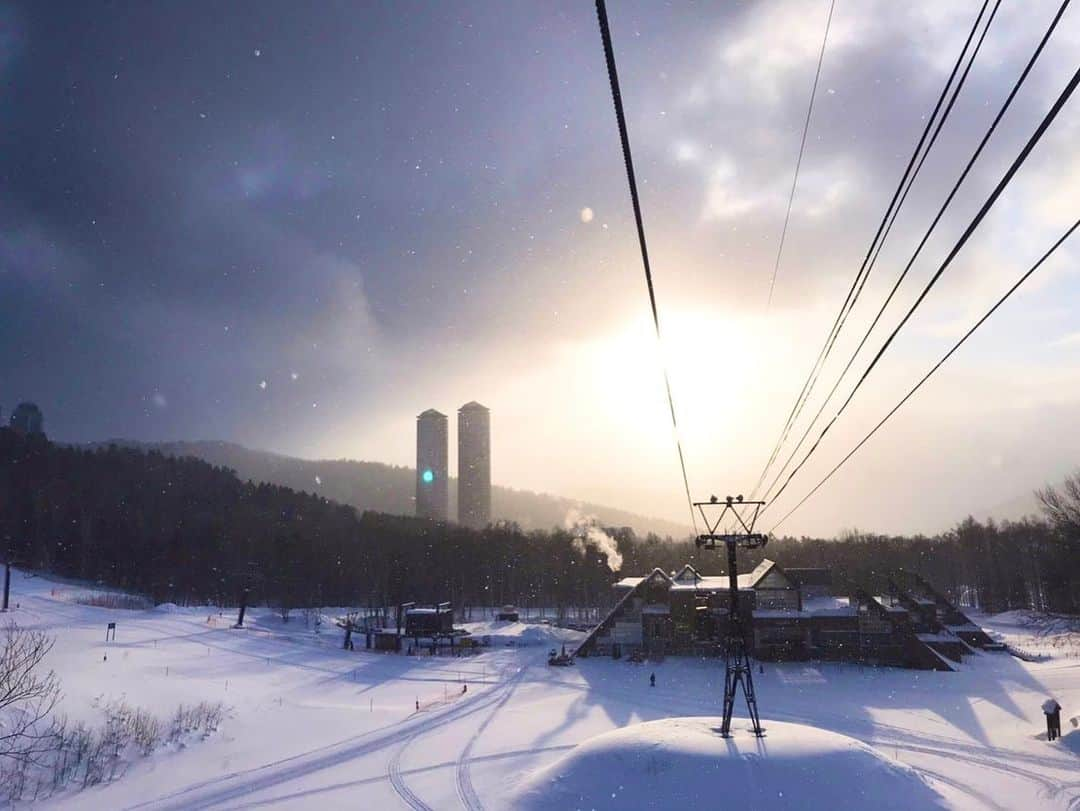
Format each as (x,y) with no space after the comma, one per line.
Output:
(738,671)
(7,582)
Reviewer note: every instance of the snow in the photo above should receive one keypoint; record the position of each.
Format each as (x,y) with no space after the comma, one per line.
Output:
(683,762)
(312,726)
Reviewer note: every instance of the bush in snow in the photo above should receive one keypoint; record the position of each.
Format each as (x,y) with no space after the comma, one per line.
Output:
(109,599)
(67,754)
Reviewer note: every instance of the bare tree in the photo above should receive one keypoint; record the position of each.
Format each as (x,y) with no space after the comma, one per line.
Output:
(1062,506)
(27,696)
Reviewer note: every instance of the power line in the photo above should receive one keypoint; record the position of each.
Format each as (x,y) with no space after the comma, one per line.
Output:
(948,200)
(616,97)
(858,282)
(1006,178)
(802,148)
(933,369)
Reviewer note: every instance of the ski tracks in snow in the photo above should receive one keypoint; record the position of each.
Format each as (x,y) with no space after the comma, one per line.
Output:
(466,793)
(397,782)
(270,775)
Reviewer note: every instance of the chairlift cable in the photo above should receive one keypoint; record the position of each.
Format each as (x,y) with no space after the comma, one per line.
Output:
(948,200)
(930,373)
(858,282)
(802,149)
(624,137)
(972,226)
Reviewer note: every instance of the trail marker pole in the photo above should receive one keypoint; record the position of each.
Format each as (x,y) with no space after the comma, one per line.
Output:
(738,671)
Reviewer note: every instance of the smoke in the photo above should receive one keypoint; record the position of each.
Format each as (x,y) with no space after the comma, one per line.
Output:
(586,530)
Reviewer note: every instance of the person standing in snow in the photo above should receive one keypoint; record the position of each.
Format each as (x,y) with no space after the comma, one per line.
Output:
(1052,710)
(652,680)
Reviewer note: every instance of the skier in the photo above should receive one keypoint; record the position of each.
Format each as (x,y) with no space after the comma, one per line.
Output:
(1052,710)
(652,680)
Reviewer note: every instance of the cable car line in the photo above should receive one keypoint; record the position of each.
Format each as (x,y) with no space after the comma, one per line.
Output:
(624,137)
(856,286)
(802,148)
(930,373)
(987,205)
(948,200)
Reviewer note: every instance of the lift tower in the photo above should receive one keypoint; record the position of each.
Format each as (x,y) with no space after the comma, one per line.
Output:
(741,516)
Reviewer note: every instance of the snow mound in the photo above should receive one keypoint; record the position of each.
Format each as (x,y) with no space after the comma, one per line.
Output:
(683,762)
(1071,741)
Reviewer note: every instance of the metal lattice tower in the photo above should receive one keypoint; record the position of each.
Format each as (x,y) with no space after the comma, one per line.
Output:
(738,672)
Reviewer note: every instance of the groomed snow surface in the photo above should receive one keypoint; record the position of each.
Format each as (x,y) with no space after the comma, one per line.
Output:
(311,726)
(683,763)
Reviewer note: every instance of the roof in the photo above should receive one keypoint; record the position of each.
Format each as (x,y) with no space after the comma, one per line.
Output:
(472,405)
(688,572)
(712,583)
(828,606)
(606,621)
(431,412)
(759,572)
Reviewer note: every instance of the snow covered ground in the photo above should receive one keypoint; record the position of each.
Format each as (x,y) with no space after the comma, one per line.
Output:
(312,726)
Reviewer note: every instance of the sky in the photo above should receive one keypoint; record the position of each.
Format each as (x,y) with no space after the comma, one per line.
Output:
(297,226)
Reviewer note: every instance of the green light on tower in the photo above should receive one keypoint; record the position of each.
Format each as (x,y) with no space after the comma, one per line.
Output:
(427,477)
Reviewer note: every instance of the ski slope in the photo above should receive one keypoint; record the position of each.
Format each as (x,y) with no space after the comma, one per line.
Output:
(314,727)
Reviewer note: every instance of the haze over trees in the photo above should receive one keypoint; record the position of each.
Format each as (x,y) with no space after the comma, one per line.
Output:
(181,530)
(391,488)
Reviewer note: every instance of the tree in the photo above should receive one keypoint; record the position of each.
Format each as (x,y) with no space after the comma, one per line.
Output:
(27,697)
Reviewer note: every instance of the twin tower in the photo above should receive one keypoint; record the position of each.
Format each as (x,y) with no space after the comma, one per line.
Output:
(474,465)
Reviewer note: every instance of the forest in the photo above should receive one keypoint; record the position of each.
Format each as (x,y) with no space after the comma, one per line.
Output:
(180,530)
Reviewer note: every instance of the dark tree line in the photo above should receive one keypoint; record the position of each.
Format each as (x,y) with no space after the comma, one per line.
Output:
(181,530)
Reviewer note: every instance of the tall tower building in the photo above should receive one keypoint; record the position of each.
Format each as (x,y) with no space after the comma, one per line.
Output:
(474,465)
(27,419)
(432,475)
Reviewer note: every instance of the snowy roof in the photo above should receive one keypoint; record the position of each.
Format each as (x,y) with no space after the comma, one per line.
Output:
(688,572)
(888,604)
(758,573)
(656,609)
(779,613)
(837,606)
(628,582)
(713,583)
(966,626)
(937,638)
(426,610)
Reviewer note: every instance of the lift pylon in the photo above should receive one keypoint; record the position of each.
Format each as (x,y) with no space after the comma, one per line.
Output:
(741,516)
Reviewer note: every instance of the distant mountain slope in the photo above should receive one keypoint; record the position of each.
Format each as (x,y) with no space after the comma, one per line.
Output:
(390,489)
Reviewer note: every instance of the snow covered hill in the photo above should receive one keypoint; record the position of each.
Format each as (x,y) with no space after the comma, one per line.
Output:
(312,726)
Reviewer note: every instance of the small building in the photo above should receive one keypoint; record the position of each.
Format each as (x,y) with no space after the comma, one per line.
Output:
(429,621)
(507,613)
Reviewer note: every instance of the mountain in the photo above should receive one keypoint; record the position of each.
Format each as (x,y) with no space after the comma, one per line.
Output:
(390,488)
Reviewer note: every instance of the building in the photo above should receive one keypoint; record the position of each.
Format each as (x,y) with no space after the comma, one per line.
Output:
(432,475)
(791,615)
(474,465)
(429,621)
(27,419)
